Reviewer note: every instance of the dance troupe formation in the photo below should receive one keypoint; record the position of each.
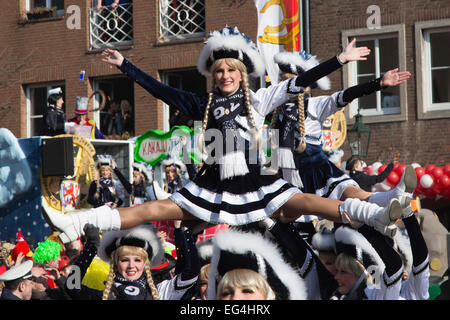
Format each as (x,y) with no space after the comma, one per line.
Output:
(355,251)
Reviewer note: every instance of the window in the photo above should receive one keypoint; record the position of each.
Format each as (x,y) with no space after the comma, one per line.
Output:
(36,102)
(111,27)
(387,47)
(189,80)
(433,68)
(181,19)
(35,4)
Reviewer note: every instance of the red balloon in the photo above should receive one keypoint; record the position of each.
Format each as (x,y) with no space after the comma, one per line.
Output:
(429,168)
(399,169)
(381,168)
(443,181)
(419,173)
(393,178)
(368,170)
(430,193)
(419,189)
(446,193)
(437,172)
(436,188)
(447,169)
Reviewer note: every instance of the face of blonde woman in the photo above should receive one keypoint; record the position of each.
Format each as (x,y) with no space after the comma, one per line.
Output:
(227,79)
(131,267)
(136,178)
(242,293)
(105,172)
(346,281)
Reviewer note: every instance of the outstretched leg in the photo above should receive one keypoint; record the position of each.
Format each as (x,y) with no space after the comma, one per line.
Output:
(106,218)
(334,210)
(152,211)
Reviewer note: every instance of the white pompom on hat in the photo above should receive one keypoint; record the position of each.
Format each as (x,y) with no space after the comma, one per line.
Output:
(298,62)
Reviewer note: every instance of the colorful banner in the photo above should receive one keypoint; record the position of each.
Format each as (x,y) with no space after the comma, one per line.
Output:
(278,30)
(155,145)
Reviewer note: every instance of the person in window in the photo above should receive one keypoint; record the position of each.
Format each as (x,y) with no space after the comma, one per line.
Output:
(128,118)
(112,3)
(54,115)
(115,120)
(82,119)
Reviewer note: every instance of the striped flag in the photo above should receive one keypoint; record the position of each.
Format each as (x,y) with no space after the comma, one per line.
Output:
(278,30)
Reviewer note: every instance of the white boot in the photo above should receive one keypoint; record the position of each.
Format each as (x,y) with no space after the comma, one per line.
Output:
(403,191)
(71,225)
(380,218)
(383,199)
(158,192)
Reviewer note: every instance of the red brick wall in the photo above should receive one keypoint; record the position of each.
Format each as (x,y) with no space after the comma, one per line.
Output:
(48,51)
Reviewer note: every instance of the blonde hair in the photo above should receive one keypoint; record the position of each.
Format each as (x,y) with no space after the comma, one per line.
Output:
(177,176)
(234,63)
(100,168)
(245,278)
(143,180)
(347,263)
(301,112)
(129,250)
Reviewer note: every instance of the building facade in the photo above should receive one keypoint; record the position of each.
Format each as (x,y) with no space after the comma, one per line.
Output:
(51,43)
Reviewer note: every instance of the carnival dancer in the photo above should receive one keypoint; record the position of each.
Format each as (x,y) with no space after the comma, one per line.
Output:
(230,189)
(138,189)
(131,254)
(105,190)
(301,159)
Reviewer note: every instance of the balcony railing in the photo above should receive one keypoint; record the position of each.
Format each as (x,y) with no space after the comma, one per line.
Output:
(181,19)
(111,27)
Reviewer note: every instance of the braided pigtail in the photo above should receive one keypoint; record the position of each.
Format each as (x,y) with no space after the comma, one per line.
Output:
(301,120)
(273,122)
(201,137)
(109,281)
(150,282)
(256,133)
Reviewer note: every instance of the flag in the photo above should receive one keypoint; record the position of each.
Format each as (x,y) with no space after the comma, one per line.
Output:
(278,30)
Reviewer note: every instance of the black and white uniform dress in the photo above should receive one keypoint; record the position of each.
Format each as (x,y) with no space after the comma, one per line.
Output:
(317,173)
(234,190)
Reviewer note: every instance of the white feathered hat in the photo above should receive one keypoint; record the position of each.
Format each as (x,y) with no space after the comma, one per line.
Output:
(234,249)
(230,43)
(324,241)
(298,62)
(145,169)
(102,160)
(143,236)
(356,245)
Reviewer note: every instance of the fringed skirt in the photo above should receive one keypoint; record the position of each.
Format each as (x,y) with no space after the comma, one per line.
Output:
(236,201)
(319,175)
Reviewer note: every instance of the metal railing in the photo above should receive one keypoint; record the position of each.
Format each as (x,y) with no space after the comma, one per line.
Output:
(111,27)
(181,19)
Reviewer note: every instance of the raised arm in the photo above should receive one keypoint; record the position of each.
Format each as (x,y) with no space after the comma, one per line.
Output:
(188,103)
(390,79)
(350,53)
